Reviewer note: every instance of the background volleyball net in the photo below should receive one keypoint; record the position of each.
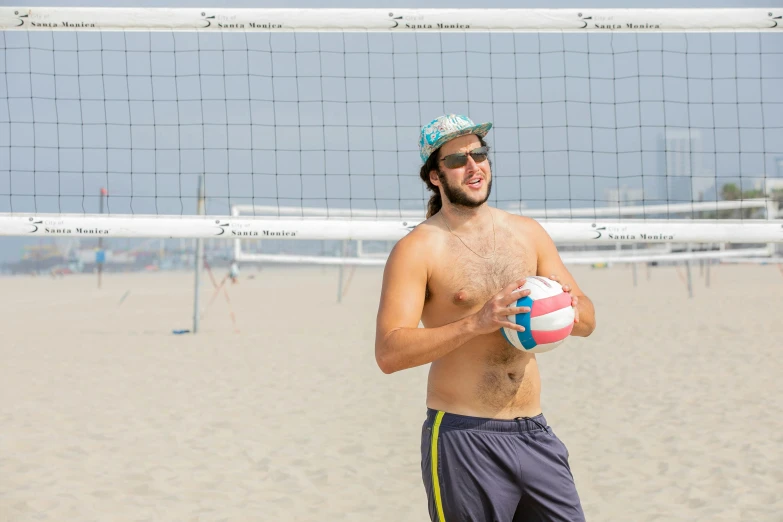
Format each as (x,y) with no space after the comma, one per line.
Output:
(610,126)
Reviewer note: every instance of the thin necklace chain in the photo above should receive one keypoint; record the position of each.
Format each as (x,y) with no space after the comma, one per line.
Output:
(494,238)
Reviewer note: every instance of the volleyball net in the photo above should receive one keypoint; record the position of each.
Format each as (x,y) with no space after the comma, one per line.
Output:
(618,126)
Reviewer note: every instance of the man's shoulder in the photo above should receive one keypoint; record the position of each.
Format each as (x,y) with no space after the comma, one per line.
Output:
(517,220)
(534,233)
(413,253)
(419,242)
(421,237)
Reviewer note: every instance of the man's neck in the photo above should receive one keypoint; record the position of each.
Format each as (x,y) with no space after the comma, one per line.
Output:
(470,219)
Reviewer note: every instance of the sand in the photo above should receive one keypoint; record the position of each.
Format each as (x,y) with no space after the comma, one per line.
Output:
(672,410)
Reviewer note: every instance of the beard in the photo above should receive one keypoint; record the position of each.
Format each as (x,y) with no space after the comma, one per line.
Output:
(458,196)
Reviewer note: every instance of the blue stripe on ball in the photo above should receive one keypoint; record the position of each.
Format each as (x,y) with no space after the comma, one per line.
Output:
(503,331)
(526,337)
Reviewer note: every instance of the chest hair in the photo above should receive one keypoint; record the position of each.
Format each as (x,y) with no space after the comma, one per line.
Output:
(471,280)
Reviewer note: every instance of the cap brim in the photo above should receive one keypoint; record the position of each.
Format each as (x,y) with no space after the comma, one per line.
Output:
(481,130)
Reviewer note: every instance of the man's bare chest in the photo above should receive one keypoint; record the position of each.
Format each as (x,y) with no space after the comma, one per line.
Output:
(466,281)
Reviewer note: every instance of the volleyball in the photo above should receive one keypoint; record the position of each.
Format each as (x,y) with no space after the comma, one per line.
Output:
(550,320)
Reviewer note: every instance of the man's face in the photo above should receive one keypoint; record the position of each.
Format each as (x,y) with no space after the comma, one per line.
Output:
(467,186)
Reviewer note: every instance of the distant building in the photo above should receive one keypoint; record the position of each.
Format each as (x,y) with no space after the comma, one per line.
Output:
(680,167)
(624,196)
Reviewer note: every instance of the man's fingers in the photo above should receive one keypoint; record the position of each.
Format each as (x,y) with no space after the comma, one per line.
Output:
(566,287)
(508,295)
(513,286)
(513,326)
(514,296)
(514,310)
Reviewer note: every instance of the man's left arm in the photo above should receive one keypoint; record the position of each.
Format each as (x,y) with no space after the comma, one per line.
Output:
(550,265)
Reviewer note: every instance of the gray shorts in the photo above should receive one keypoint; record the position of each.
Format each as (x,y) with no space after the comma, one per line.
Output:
(477,469)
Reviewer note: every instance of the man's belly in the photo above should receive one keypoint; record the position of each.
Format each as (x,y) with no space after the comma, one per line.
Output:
(486,378)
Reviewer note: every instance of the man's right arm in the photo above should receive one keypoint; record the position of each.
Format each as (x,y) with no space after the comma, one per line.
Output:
(399,342)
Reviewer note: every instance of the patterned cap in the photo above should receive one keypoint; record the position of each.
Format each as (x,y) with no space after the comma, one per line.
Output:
(446,128)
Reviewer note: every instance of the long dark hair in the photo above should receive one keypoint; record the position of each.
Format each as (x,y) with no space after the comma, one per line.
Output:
(436,203)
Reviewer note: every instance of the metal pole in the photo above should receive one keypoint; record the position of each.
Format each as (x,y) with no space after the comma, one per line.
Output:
(100,257)
(707,263)
(341,277)
(707,276)
(199,257)
(772,213)
(688,269)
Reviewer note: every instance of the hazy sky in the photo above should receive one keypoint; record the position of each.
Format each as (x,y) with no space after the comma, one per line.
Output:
(144,114)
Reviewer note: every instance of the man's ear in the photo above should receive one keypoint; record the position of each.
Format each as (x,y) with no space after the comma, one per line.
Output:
(434,179)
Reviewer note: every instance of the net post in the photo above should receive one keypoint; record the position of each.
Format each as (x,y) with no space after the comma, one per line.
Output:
(341,277)
(100,256)
(199,257)
(237,251)
(772,213)
(688,271)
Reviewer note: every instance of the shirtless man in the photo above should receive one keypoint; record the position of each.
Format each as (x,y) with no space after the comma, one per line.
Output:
(487,451)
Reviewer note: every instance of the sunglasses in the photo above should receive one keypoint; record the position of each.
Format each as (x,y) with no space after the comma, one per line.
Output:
(460,159)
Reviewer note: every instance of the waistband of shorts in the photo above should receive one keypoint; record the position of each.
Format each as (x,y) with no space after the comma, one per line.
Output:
(465,422)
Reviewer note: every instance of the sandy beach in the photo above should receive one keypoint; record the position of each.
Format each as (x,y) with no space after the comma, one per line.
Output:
(671,411)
